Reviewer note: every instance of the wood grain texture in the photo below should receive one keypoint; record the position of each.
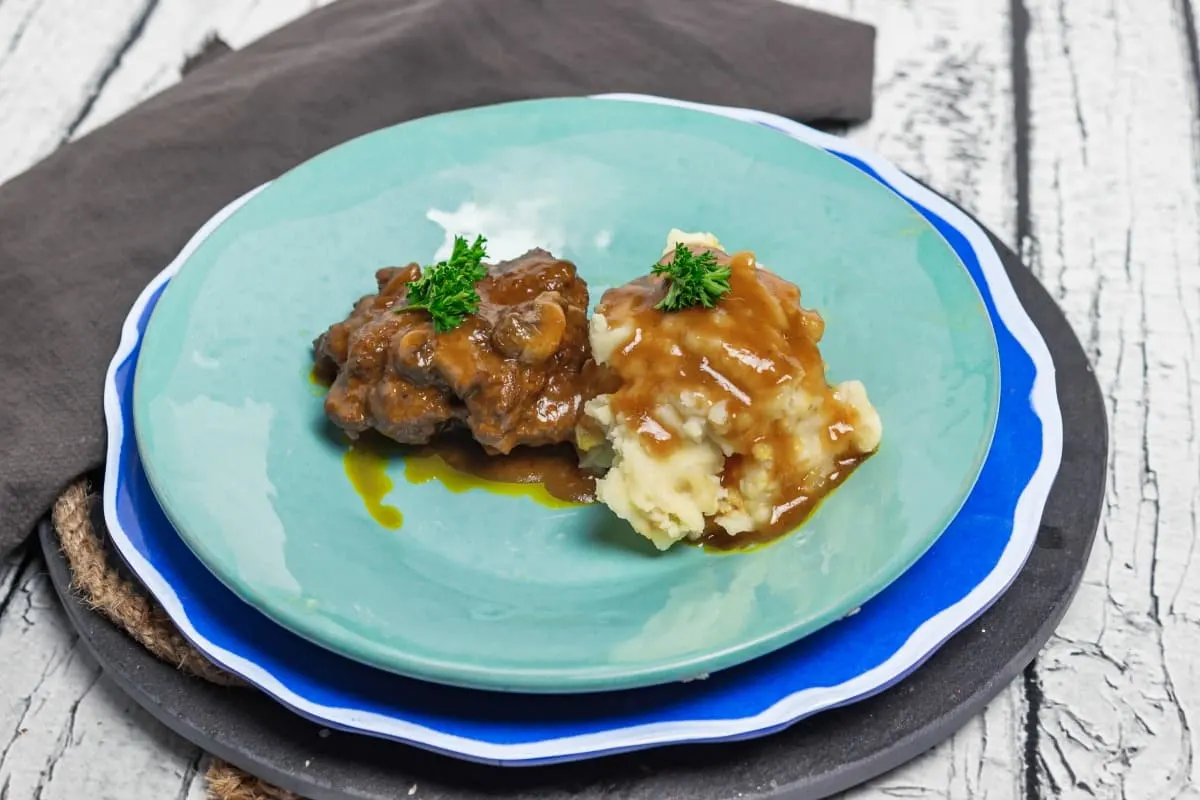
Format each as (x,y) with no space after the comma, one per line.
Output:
(1100,190)
(1113,201)
(942,113)
(55,57)
(65,732)
(178,29)
(67,66)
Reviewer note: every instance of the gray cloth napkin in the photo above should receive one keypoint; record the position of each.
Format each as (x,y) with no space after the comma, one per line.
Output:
(84,231)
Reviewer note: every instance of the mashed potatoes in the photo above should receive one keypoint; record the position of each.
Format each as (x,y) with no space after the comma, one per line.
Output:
(721,422)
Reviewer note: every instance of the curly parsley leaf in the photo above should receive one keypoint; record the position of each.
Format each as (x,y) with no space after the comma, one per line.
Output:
(692,280)
(446,290)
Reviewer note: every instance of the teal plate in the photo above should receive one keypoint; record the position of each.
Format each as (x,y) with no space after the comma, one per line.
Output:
(494,592)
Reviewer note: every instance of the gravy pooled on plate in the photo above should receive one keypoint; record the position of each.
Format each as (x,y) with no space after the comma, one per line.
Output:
(722,427)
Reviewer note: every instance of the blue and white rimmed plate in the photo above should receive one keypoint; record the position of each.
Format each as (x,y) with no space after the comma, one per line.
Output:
(488,591)
(968,567)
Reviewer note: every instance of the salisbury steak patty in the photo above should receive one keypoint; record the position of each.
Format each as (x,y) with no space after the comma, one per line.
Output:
(514,372)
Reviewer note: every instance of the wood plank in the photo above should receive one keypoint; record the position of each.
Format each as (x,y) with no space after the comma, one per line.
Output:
(944,113)
(943,99)
(1115,210)
(55,56)
(65,732)
(112,748)
(11,567)
(67,66)
(179,29)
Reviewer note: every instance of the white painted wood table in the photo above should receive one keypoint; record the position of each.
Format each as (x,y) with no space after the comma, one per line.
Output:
(1070,127)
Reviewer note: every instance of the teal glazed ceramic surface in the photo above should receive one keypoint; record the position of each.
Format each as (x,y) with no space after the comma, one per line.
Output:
(497,592)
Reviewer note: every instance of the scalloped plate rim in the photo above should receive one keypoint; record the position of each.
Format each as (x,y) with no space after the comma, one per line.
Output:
(907,657)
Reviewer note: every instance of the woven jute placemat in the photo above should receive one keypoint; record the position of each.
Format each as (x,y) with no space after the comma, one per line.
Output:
(96,580)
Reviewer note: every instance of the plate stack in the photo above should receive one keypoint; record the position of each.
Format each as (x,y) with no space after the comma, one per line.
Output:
(496,627)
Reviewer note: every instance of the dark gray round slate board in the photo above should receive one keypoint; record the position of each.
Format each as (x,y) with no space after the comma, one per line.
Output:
(815,758)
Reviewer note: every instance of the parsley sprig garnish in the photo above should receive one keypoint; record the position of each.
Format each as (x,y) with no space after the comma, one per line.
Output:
(692,280)
(447,289)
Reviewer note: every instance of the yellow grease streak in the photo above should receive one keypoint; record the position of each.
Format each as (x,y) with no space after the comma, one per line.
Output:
(425,468)
(367,471)
(317,385)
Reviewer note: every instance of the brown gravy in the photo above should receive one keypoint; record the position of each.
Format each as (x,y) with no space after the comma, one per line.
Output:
(555,468)
(550,476)
(515,372)
(787,517)
(756,339)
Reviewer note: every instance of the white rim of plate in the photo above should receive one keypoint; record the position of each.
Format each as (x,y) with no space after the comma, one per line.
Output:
(923,641)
